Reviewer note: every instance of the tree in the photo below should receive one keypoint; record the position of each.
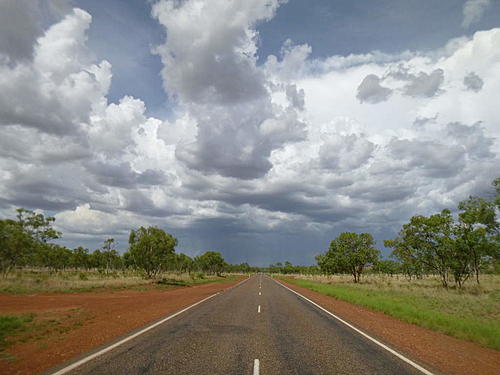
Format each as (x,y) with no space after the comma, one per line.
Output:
(81,258)
(150,249)
(427,242)
(475,230)
(388,267)
(211,262)
(15,244)
(349,252)
(184,263)
(37,226)
(110,256)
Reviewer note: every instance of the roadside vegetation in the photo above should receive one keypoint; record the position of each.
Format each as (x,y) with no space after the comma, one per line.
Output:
(24,281)
(444,273)
(471,313)
(30,260)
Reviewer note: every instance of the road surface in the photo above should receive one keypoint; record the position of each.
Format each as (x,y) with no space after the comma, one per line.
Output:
(257,327)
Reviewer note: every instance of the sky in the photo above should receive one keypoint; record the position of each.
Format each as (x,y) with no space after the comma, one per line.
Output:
(258,128)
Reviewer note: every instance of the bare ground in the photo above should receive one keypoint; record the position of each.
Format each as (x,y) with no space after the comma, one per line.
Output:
(69,324)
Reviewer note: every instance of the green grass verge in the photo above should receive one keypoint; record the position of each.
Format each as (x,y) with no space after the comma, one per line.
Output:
(10,325)
(423,310)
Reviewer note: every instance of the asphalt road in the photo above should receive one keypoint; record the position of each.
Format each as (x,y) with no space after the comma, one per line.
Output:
(256,320)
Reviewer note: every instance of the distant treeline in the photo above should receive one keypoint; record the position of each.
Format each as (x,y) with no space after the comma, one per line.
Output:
(454,248)
(25,242)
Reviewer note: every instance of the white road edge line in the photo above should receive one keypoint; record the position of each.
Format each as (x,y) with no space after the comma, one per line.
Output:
(256,367)
(258,309)
(392,351)
(128,338)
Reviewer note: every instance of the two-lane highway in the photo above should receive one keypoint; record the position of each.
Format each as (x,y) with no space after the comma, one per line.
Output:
(257,327)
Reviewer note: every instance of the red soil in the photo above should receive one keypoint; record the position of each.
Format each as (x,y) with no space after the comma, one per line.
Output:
(88,320)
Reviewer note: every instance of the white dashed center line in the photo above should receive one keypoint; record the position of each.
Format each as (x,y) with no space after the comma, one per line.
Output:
(260,293)
(258,309)
(256,365)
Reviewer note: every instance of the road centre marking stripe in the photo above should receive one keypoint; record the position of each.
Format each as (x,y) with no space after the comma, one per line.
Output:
(256,367)
(392,351)
(128,338)
(258,309)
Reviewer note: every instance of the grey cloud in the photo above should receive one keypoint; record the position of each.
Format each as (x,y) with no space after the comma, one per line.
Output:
(421,121)
(383,191)
(430,158)
(295,97)
(476,143)
(19,28)
(140,203)
(473,11)
(371,91)
(217,79)
(237,141)
(345,152)
(52,187)
(473,82)
(218,65)
(26,145)
(425,85)
(121,175)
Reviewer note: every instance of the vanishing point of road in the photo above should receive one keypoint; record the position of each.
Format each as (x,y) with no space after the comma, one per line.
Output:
(257,327)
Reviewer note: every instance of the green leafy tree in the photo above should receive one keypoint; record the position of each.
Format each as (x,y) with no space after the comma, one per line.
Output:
(211,262)
(427,242)
(183,263)
(37,226)
(150,249)
(81,258)
(349,252)
(475,232)
(15,244)
(110,256)
(57,257)
(388,267)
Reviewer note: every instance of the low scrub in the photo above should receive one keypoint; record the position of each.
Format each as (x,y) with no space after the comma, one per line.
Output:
(471,314)
(39,281)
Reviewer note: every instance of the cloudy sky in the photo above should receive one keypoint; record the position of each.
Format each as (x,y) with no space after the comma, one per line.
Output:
(258,128)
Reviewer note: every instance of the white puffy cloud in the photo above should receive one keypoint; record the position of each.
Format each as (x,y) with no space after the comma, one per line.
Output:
(215,77)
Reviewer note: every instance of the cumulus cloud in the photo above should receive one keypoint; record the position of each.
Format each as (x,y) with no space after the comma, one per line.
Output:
(216,77)
(252,154)
(371,91)
(473,82)
(473,11)
(55,95)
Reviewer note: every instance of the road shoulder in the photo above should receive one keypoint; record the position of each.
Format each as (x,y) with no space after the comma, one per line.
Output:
(112,315)
(443,353)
